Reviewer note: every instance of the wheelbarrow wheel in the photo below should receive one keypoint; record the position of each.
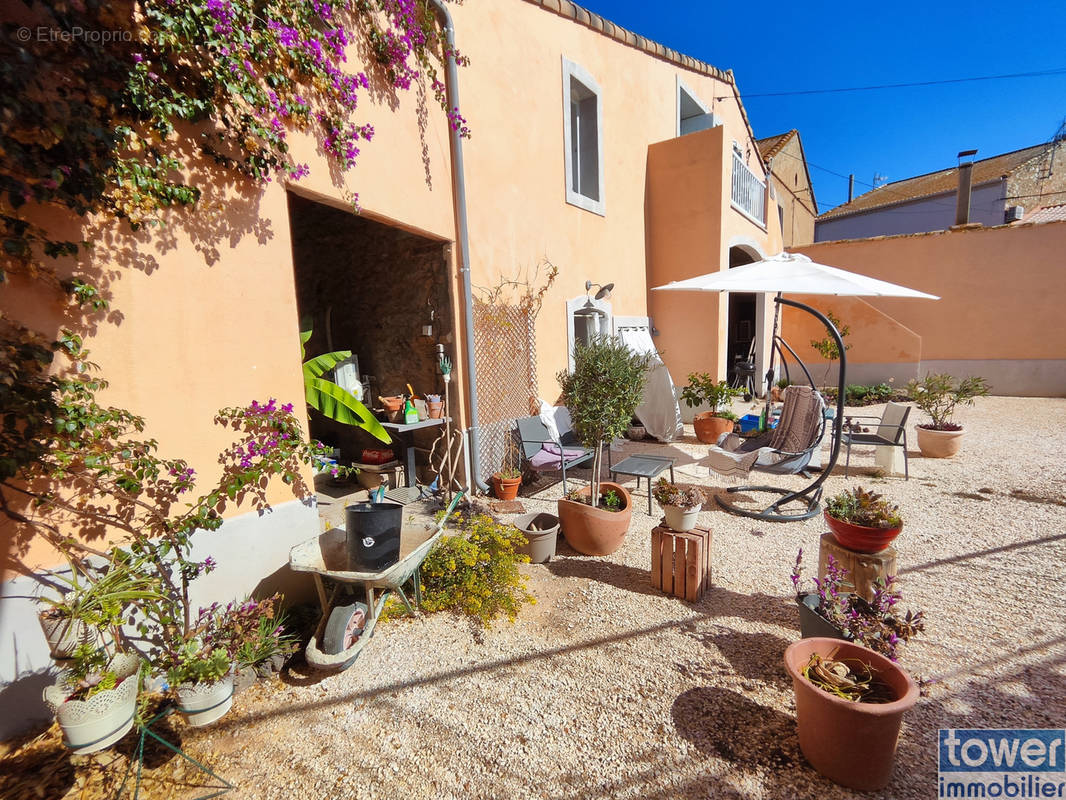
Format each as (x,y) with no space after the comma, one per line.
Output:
(344,627)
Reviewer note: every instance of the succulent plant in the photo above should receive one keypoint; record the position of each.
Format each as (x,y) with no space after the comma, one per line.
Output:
(860,507)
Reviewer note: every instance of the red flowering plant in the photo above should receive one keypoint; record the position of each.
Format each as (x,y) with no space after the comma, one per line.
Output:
(877,623)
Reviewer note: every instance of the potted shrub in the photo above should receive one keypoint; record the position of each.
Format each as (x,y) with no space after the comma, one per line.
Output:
(93,603)
(862,521)
(506,482)
(95,699)
(850,702)
(710,425)
(601,394)
(201,677)
(938,395)
(680,505)
(830,611)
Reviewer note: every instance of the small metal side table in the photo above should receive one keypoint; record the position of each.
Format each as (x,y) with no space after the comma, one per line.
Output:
(642,466)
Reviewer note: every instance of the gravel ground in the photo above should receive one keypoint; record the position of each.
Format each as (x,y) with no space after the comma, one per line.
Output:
(607,688)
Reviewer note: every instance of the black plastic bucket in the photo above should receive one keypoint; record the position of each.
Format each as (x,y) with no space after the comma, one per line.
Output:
(373,535)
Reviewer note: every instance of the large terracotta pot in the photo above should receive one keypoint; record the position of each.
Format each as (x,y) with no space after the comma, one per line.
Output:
(938,444)
(860,538)
(708,427)
(853,744)
(595,531)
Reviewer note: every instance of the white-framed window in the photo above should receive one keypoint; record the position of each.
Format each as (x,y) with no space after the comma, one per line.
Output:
(586,318)
(692,114)
(583,135)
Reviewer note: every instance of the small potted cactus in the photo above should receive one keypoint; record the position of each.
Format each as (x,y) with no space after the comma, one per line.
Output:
(680,505)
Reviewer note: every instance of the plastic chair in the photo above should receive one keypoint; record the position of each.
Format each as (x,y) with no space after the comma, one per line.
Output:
(891,432)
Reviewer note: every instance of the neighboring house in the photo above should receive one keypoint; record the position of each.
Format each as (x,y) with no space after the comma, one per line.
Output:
(794,193)
(616,159)
(1002,188)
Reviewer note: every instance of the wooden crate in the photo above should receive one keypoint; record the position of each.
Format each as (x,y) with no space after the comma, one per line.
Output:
(863,569)
(681,562)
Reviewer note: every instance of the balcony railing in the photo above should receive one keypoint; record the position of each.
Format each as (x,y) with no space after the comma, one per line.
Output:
(749,193)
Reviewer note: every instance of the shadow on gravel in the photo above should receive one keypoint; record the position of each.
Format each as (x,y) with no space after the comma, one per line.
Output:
(618,575)
(724,723)
(756,656)
(1006,548)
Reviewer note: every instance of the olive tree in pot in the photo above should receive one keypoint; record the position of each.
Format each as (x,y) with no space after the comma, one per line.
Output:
(601,393)
(710,425)
(938,395)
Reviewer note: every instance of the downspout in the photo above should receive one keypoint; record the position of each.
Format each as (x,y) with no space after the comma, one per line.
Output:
(451,81)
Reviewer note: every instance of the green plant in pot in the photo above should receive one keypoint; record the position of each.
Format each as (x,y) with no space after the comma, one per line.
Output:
(507,480)
(710,425)
(938,395)
(862,521)
(602,392)
(681,505)
(93,602)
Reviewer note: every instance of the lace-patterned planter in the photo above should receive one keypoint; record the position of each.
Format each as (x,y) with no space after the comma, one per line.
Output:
(204,703)
(64,634)
(97,723)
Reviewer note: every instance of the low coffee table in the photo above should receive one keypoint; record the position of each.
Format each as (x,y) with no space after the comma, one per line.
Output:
(644,467)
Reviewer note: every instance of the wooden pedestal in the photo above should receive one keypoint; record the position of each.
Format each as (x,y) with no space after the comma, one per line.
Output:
(863,569)
(681,562)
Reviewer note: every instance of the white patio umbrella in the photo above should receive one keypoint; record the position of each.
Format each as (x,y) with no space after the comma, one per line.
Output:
(797,274)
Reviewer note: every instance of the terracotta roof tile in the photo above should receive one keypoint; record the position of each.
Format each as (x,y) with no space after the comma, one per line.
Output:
(945,180)
(1056,213)
(771,145)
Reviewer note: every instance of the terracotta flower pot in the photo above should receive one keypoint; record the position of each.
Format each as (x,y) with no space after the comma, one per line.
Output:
(435,410)
(938,444)
(708,427)
(505,488)
(596,531)
(681,519)
(853,744)
(860,538)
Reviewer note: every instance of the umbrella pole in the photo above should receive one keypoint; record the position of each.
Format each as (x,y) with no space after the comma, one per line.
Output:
(812,494)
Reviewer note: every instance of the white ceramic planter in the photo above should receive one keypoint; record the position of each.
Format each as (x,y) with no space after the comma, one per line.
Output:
(64,634)
(681,519)
(204,703)
(97,723)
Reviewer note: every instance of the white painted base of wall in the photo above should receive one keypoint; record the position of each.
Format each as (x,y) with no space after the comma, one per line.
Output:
(1007,377)
(252,552)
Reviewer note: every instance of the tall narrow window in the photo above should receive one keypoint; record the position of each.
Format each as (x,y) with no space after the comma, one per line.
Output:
(583,132)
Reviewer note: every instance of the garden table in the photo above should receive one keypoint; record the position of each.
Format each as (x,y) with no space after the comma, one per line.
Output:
(644,466)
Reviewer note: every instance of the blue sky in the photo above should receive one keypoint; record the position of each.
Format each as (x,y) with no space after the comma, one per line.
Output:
(896,133)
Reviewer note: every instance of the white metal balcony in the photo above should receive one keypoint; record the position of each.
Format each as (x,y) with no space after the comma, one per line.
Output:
(749,192)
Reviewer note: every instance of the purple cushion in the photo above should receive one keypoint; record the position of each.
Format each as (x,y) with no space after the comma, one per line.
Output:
(548,457)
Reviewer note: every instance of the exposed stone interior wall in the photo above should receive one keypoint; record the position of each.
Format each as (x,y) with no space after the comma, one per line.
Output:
(378,281)
(1040,182)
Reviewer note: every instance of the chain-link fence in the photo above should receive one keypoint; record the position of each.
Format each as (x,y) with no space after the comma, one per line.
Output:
(506,358)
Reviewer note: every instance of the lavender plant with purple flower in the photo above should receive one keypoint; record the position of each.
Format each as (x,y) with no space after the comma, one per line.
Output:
(877,624)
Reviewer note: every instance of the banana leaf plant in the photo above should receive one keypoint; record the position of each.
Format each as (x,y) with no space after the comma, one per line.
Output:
(335,401)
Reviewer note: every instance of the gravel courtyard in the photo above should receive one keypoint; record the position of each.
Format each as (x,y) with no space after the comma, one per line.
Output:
(607,688)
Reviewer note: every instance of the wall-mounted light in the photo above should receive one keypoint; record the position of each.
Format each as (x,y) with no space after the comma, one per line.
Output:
(604,290)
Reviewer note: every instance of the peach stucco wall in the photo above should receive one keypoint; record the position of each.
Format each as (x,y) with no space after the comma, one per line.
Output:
(1001,289)
(874,336)
(515,167)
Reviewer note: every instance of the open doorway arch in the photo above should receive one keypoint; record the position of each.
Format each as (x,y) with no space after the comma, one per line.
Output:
(743,321)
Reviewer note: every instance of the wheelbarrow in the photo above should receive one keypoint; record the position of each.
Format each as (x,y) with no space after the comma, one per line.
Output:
(344,630)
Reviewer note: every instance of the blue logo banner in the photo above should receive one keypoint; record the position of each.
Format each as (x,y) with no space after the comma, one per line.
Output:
(1002,750)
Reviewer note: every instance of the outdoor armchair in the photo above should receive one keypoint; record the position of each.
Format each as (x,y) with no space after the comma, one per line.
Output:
(891,432)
